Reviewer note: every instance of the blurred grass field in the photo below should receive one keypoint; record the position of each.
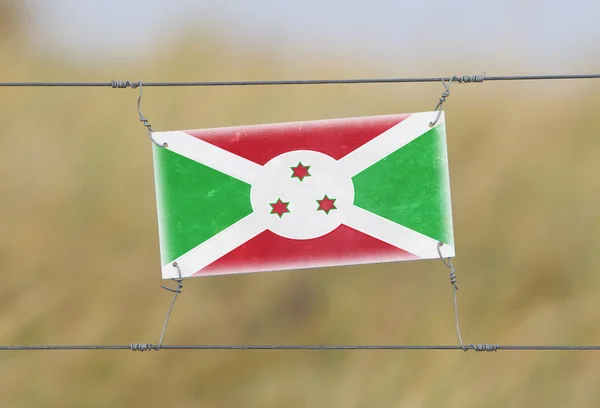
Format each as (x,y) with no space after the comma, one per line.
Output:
(79,245)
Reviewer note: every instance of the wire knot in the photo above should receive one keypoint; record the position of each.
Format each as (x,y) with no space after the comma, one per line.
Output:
(142,347)
(453,278)
(443,98)
(449,265)
(174,290)
(179,281)
(468,79)
(440,105)
(484,347)
(124,84)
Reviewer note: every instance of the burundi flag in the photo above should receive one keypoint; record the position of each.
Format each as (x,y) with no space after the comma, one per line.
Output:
(303,195)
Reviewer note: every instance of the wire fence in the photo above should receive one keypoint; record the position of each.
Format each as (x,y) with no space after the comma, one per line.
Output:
(115,84)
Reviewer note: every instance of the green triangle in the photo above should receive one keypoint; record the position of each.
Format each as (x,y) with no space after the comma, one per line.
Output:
(195,202)
(411,187)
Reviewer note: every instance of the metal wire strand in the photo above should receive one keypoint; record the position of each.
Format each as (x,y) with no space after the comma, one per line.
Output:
(460,79)
(148,347)
(120,84)
(177,291)
(454,290)
(476,347)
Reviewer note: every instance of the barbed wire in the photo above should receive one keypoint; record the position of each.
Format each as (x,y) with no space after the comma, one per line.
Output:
(459,79)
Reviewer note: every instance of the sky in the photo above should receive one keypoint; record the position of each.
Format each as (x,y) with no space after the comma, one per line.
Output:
(549,35)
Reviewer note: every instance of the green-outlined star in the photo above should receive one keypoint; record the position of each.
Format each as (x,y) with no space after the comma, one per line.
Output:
(300,171)
(326,204)
(279,207)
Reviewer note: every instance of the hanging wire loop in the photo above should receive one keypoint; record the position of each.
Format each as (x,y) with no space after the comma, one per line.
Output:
(440,104)
(454,290)
(139,107)
(176,291)
(476,347)
(465,79)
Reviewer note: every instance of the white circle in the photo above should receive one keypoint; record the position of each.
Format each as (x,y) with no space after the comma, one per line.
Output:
(304,220)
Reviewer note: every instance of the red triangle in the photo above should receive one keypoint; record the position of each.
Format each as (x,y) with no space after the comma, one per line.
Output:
(336,137)
(342,246)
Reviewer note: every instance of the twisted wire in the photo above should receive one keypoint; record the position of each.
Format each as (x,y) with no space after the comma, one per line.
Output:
(176,292)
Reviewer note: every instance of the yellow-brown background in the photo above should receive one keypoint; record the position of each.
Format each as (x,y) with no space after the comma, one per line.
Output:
(79,248)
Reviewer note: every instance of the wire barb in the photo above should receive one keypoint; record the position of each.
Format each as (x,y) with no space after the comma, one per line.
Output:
(466,79)
(142,347)
(125,84)
(484,347)
(177,291)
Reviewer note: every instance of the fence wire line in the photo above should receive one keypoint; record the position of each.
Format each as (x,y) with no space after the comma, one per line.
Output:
(459,79)
(152,347)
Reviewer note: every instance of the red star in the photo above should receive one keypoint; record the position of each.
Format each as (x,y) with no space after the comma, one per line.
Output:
(279,207)
(326,204)
(300,171)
